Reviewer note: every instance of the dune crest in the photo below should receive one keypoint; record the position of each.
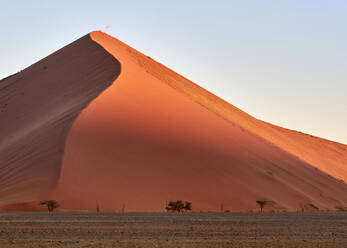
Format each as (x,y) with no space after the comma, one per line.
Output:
(152,136)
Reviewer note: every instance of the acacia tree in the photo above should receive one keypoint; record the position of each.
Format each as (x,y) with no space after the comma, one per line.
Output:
(51,205)
(178,206)
(261,204)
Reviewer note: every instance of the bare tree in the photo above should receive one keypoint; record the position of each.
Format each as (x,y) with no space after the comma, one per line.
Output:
(308,207)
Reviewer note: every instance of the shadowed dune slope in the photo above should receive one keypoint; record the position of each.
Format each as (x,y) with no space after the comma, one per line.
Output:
(154,136)
(37,108)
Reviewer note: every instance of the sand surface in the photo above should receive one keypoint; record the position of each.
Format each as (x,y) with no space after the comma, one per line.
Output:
(217,230)
(153,136)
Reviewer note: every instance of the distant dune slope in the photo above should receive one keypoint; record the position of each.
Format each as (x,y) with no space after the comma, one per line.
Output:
(154,136)
(37,108)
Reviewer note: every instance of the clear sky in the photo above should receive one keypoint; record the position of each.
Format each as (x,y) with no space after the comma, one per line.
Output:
(284,62)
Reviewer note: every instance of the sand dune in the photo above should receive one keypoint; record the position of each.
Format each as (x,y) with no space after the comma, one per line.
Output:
(149,137)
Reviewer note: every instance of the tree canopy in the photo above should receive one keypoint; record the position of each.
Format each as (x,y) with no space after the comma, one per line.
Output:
(51,205)
(178,206)
(262,203)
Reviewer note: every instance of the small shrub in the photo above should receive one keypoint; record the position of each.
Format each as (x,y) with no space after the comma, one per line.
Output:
(341,208)
(308,207)
(313,206)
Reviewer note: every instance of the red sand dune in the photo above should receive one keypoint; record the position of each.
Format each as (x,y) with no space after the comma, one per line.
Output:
(151,136)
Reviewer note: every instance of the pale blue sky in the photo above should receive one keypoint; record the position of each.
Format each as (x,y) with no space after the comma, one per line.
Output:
(284,62)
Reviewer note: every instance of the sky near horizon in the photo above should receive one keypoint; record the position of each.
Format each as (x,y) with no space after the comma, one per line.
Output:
(284,62)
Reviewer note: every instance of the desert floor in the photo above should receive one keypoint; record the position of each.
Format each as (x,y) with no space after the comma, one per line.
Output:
(77,229)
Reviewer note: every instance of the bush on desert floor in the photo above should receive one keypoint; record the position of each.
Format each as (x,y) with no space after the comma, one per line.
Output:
(178,206)
(51,205)
(313,206)
(341,208)
(308,207)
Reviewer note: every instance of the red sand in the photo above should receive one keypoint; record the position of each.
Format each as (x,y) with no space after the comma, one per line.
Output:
(154,136)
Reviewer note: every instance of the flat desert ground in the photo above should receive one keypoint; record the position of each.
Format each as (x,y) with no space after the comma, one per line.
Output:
(268,229)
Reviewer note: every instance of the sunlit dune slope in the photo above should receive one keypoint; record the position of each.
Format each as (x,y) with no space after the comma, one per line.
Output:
(37,108)
(154,136)
(331,157)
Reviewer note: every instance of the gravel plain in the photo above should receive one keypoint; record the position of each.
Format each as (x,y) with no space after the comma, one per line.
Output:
(86,229)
